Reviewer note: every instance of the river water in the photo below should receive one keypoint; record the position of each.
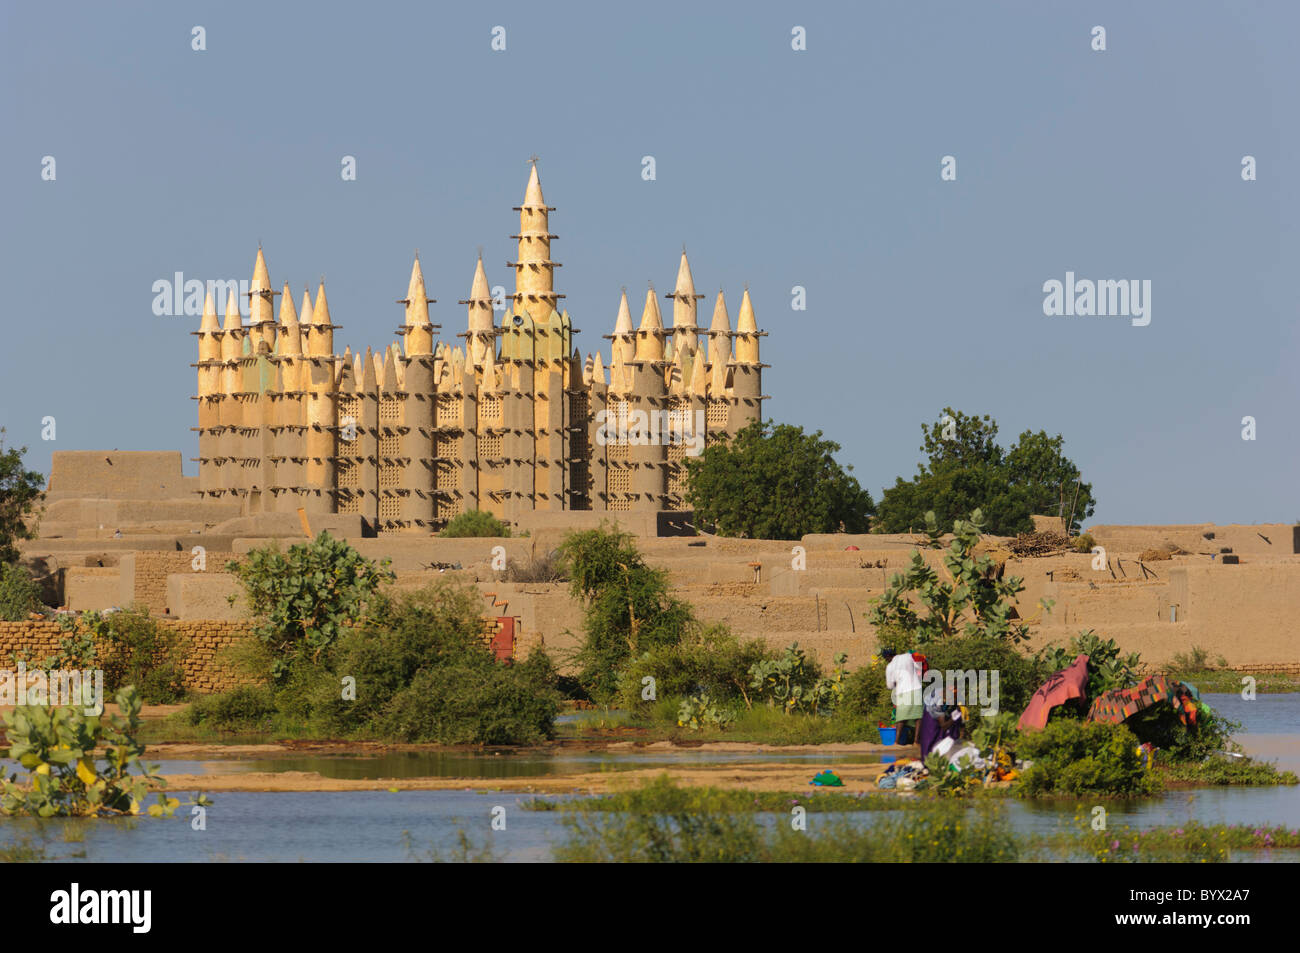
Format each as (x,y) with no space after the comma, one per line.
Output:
(395,826)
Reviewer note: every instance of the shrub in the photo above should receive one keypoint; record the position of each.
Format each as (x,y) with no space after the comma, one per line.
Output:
(137,651)
(629,608)
(977,600)
(1083,757)
(710,661)
(1018,675)
(545,568)
(1084,542)
(473,523)
(424,672)
(58,747)
(490,704)
(1160,726)
(246,708)
(19,593)
(305,598)
(866,696)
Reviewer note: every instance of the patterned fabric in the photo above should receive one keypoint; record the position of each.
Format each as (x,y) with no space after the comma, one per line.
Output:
(1118,705)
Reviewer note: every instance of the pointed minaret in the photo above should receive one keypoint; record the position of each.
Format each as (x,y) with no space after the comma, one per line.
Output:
(232,331)
(598,370)
(719,346)
(534,270)
(699,383)
(746,369)
(417,330)
(320,342)
(747,332)
(480,328)
(650,333)
(684,308)
(290,336)
(624,337)
(261,305)
(209,333)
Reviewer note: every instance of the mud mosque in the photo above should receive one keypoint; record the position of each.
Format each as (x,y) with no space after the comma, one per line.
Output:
(510,420)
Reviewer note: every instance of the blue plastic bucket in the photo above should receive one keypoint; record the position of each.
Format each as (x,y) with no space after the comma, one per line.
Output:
(889,735)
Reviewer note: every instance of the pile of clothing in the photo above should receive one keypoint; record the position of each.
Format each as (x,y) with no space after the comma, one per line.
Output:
(902,775)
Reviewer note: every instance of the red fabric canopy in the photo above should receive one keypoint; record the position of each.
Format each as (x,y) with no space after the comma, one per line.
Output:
(1060,688)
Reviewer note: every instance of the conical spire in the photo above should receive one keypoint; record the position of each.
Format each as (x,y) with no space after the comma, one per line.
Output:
(699,383)
(534,269)
(684,298)
(321,312)
(416,329)
(305,311)
(209,320)
(290,338)
(232,322)
(746,332)
(720,334)
(479,323)
(416,300)
(624,336)
(650,333)
(321,341)
(533,194)
(598,370)
(261,304)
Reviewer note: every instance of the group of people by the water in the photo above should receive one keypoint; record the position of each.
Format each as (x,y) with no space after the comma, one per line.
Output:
(920,720)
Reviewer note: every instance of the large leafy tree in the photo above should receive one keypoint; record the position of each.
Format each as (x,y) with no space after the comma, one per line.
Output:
(629,606)
(776,482)
(20,491)
(966,470)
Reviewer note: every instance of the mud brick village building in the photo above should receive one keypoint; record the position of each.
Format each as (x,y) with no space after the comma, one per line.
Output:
(384,447)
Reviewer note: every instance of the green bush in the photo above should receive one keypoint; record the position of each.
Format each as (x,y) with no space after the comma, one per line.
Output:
(135,650)
(974,600)
(1019,676)
(711,661)
(1083,757)
(629,608)
(1083,543)
(474,523)
(484,704)
(305,599)
(1160,726)
(866,696)
(423,672)
(19,593)
(58,747)
(249,708)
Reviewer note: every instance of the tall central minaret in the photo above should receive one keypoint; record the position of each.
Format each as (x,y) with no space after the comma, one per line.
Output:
(534,270)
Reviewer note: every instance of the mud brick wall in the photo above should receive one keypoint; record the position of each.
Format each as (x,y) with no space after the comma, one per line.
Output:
(205,671)
(144,577)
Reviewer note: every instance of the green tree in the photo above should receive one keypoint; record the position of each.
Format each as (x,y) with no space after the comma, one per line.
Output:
(966,469)
(20,491)
(776,482)
(974,601)
(305,598)
(629,607)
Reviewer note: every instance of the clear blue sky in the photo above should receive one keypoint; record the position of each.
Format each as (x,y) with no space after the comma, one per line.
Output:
(777,168)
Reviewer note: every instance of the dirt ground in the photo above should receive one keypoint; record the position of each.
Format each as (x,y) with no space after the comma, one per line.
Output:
(758,776)
(794,778)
